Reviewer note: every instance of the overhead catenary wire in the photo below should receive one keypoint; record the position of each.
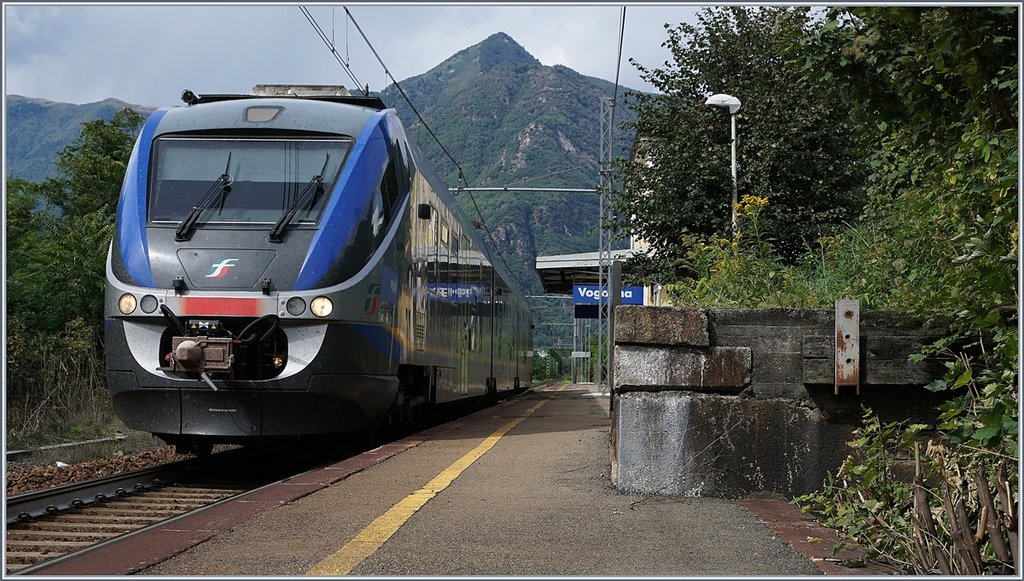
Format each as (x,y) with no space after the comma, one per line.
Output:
(547,175)
(487,231)
(618,67)
(329,42)
(401,91)
(426,126)
(423,121)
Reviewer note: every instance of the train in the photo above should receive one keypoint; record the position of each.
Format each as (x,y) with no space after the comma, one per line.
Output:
(285,263)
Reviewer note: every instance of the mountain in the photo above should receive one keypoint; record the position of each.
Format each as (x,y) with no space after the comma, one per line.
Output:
(510,121)
(37,129)
(507,119)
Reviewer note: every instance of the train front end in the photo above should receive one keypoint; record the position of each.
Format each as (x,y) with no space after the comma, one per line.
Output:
(251,241)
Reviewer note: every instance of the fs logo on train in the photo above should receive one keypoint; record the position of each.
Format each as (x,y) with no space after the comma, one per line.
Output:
(372,300)
(220,269)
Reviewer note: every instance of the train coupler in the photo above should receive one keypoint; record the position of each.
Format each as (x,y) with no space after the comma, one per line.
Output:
(201,355)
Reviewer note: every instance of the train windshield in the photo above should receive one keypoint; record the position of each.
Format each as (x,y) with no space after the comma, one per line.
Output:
(265,176)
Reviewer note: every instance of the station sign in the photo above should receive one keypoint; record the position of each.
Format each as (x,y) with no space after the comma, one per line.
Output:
(585,294)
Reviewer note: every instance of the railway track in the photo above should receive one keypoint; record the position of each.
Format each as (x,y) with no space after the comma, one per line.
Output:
(56,523)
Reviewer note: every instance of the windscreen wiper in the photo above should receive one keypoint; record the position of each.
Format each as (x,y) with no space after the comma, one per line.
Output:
(307,197)
(220,187)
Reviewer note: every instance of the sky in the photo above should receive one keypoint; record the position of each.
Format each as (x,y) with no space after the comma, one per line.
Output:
(147,54)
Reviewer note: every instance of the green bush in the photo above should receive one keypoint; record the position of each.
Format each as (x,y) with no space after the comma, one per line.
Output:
(933,95)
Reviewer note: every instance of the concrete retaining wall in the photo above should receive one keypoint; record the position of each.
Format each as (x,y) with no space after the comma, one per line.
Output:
(733,402)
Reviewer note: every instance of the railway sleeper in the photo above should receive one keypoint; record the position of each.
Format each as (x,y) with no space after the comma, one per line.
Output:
(80,527)
(189,494)
(114,511)
(43,545)
(28,535)
(100,518)
(143,501)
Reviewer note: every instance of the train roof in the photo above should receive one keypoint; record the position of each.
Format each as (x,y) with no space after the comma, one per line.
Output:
(326,94)
(322,114)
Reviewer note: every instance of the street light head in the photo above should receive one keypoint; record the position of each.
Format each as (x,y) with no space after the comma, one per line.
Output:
(722,100)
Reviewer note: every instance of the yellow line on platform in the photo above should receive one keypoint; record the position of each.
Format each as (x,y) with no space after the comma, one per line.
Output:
(379,531)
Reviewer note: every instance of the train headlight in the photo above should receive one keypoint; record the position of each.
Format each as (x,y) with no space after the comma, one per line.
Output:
(126,304)
(296,306)
(321,306)
(148,304)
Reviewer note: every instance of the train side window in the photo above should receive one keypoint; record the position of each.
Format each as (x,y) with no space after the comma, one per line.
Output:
(434,244)
(390,191)
(404,167)
(378,217)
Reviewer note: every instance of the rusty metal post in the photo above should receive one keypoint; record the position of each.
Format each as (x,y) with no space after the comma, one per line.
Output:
(614,298)
(847,344)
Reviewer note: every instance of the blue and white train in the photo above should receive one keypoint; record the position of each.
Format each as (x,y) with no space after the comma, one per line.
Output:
(288,266)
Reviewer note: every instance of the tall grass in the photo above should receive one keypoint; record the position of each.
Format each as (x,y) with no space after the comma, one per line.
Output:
(56,385)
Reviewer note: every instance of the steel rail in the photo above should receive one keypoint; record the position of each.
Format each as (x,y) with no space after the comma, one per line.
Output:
(80,494)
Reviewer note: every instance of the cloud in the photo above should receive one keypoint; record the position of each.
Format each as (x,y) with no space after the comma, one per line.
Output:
(148,54)
(28,29)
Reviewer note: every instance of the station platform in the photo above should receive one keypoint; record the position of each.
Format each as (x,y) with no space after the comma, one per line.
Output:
(521,488)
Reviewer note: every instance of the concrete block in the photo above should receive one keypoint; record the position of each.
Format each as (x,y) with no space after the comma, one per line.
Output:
(712,445)
(779,343)
(641,366)
(893,323)
(796,392)
(773,367)
(876,372)
(822,318)
(680,368)
(661,326)
(714,369)
(874,346)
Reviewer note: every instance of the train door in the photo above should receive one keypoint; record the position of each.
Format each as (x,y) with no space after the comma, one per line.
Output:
(486,325)
(481,372)
(444,284)
(503,334)
(466,316)
(455,300)
(426,293)
(492,317)
(518,347)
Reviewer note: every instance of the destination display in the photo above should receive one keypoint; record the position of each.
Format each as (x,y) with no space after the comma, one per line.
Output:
(457,292)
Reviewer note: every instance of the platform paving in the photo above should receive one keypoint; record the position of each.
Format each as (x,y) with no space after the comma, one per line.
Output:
(538,502)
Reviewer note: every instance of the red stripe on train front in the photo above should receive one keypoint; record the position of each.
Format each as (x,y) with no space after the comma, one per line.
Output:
(214,306)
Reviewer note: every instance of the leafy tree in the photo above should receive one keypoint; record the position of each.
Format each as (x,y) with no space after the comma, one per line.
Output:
(794,144)
(938,89)
(92,167)
(59,230)
(932,94)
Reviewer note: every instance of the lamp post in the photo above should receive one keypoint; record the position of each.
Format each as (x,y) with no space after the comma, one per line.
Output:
(721,100)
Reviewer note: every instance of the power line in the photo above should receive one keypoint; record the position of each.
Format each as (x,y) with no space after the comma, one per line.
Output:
(493,241)
(404,96)
(462,176)
(554,173)
(514,189)
(329,42)
(618,66)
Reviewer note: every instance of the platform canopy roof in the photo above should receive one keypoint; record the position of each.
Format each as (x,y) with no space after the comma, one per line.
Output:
(558,273)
